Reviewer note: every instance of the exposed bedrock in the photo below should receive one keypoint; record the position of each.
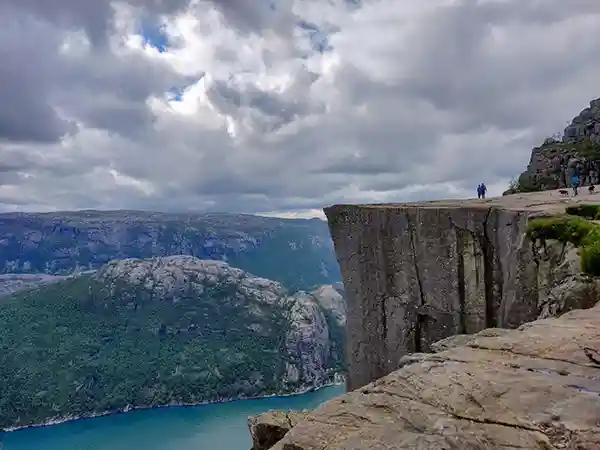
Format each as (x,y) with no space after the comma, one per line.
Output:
(415,274)
(533,388)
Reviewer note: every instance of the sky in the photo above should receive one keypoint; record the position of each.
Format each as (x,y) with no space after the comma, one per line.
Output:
(282,107)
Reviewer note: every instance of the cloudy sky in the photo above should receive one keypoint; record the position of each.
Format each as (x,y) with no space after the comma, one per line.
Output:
(281,105)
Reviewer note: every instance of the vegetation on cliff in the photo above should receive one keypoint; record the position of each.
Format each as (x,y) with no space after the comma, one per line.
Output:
(574,227)
(144,333)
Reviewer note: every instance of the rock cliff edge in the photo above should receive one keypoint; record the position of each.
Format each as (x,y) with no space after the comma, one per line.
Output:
(418,273)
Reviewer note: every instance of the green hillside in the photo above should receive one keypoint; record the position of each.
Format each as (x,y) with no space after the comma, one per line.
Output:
(176,334)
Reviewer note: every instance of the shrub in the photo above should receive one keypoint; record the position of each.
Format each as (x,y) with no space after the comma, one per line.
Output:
(587,211)
(514,186)
(576,230)
(563,228)
(590,259)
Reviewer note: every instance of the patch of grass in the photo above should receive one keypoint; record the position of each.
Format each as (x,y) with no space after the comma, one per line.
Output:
(576,230)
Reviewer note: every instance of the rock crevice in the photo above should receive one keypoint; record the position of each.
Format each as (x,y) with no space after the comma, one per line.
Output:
(422,314)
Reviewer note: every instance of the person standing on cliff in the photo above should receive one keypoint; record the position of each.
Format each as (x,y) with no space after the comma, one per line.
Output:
(481,190)
(575,183)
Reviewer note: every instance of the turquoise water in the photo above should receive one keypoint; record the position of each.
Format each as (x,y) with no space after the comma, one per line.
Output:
(208,427)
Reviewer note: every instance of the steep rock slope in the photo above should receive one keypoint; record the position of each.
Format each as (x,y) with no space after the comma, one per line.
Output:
(552,164)
(297,253)
(170,330)
(533,388)
(417,273)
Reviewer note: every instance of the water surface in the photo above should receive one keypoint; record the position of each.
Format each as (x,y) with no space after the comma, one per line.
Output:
(207,427)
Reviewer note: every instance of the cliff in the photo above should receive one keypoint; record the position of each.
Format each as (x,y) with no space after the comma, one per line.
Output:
(160,331)
(417,273)
(458,279)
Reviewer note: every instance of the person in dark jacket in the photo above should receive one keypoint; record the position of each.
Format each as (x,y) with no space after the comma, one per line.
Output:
(481,190)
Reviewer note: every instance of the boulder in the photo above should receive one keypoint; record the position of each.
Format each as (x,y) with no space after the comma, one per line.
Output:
(269,428)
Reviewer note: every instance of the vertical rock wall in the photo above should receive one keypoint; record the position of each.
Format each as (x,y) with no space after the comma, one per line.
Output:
(415,274)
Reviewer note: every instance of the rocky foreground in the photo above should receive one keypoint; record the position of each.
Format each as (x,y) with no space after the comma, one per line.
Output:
(530,388)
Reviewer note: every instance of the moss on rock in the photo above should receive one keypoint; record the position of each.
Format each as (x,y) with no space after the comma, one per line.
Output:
(573,228)
(587,211)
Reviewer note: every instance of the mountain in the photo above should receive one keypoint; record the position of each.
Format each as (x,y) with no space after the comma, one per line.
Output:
(160,331)
(296,252)
(552,164)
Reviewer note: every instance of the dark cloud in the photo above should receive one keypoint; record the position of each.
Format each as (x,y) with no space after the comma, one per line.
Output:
(94,17)
(27,73)
(48,89)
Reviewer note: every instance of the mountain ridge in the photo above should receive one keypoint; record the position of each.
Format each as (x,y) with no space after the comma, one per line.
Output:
(297,252)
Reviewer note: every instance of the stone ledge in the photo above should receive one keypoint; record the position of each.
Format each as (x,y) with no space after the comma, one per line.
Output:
(530,388)
(546,202)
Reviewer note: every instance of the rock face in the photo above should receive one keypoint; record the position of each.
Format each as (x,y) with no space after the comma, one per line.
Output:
(269,428)
(160,331)
(331,299)
(415,274)
(297,253)
(552,164)
(531,388)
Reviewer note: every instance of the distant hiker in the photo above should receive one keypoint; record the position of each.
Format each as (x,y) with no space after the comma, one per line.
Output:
(482,189)
(575,183)
(478,191)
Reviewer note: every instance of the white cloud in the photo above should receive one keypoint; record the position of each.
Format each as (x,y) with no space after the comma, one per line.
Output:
(415,100)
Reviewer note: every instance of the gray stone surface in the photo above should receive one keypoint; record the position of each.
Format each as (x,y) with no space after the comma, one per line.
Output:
(15,282)
(418,273)
(533,388)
